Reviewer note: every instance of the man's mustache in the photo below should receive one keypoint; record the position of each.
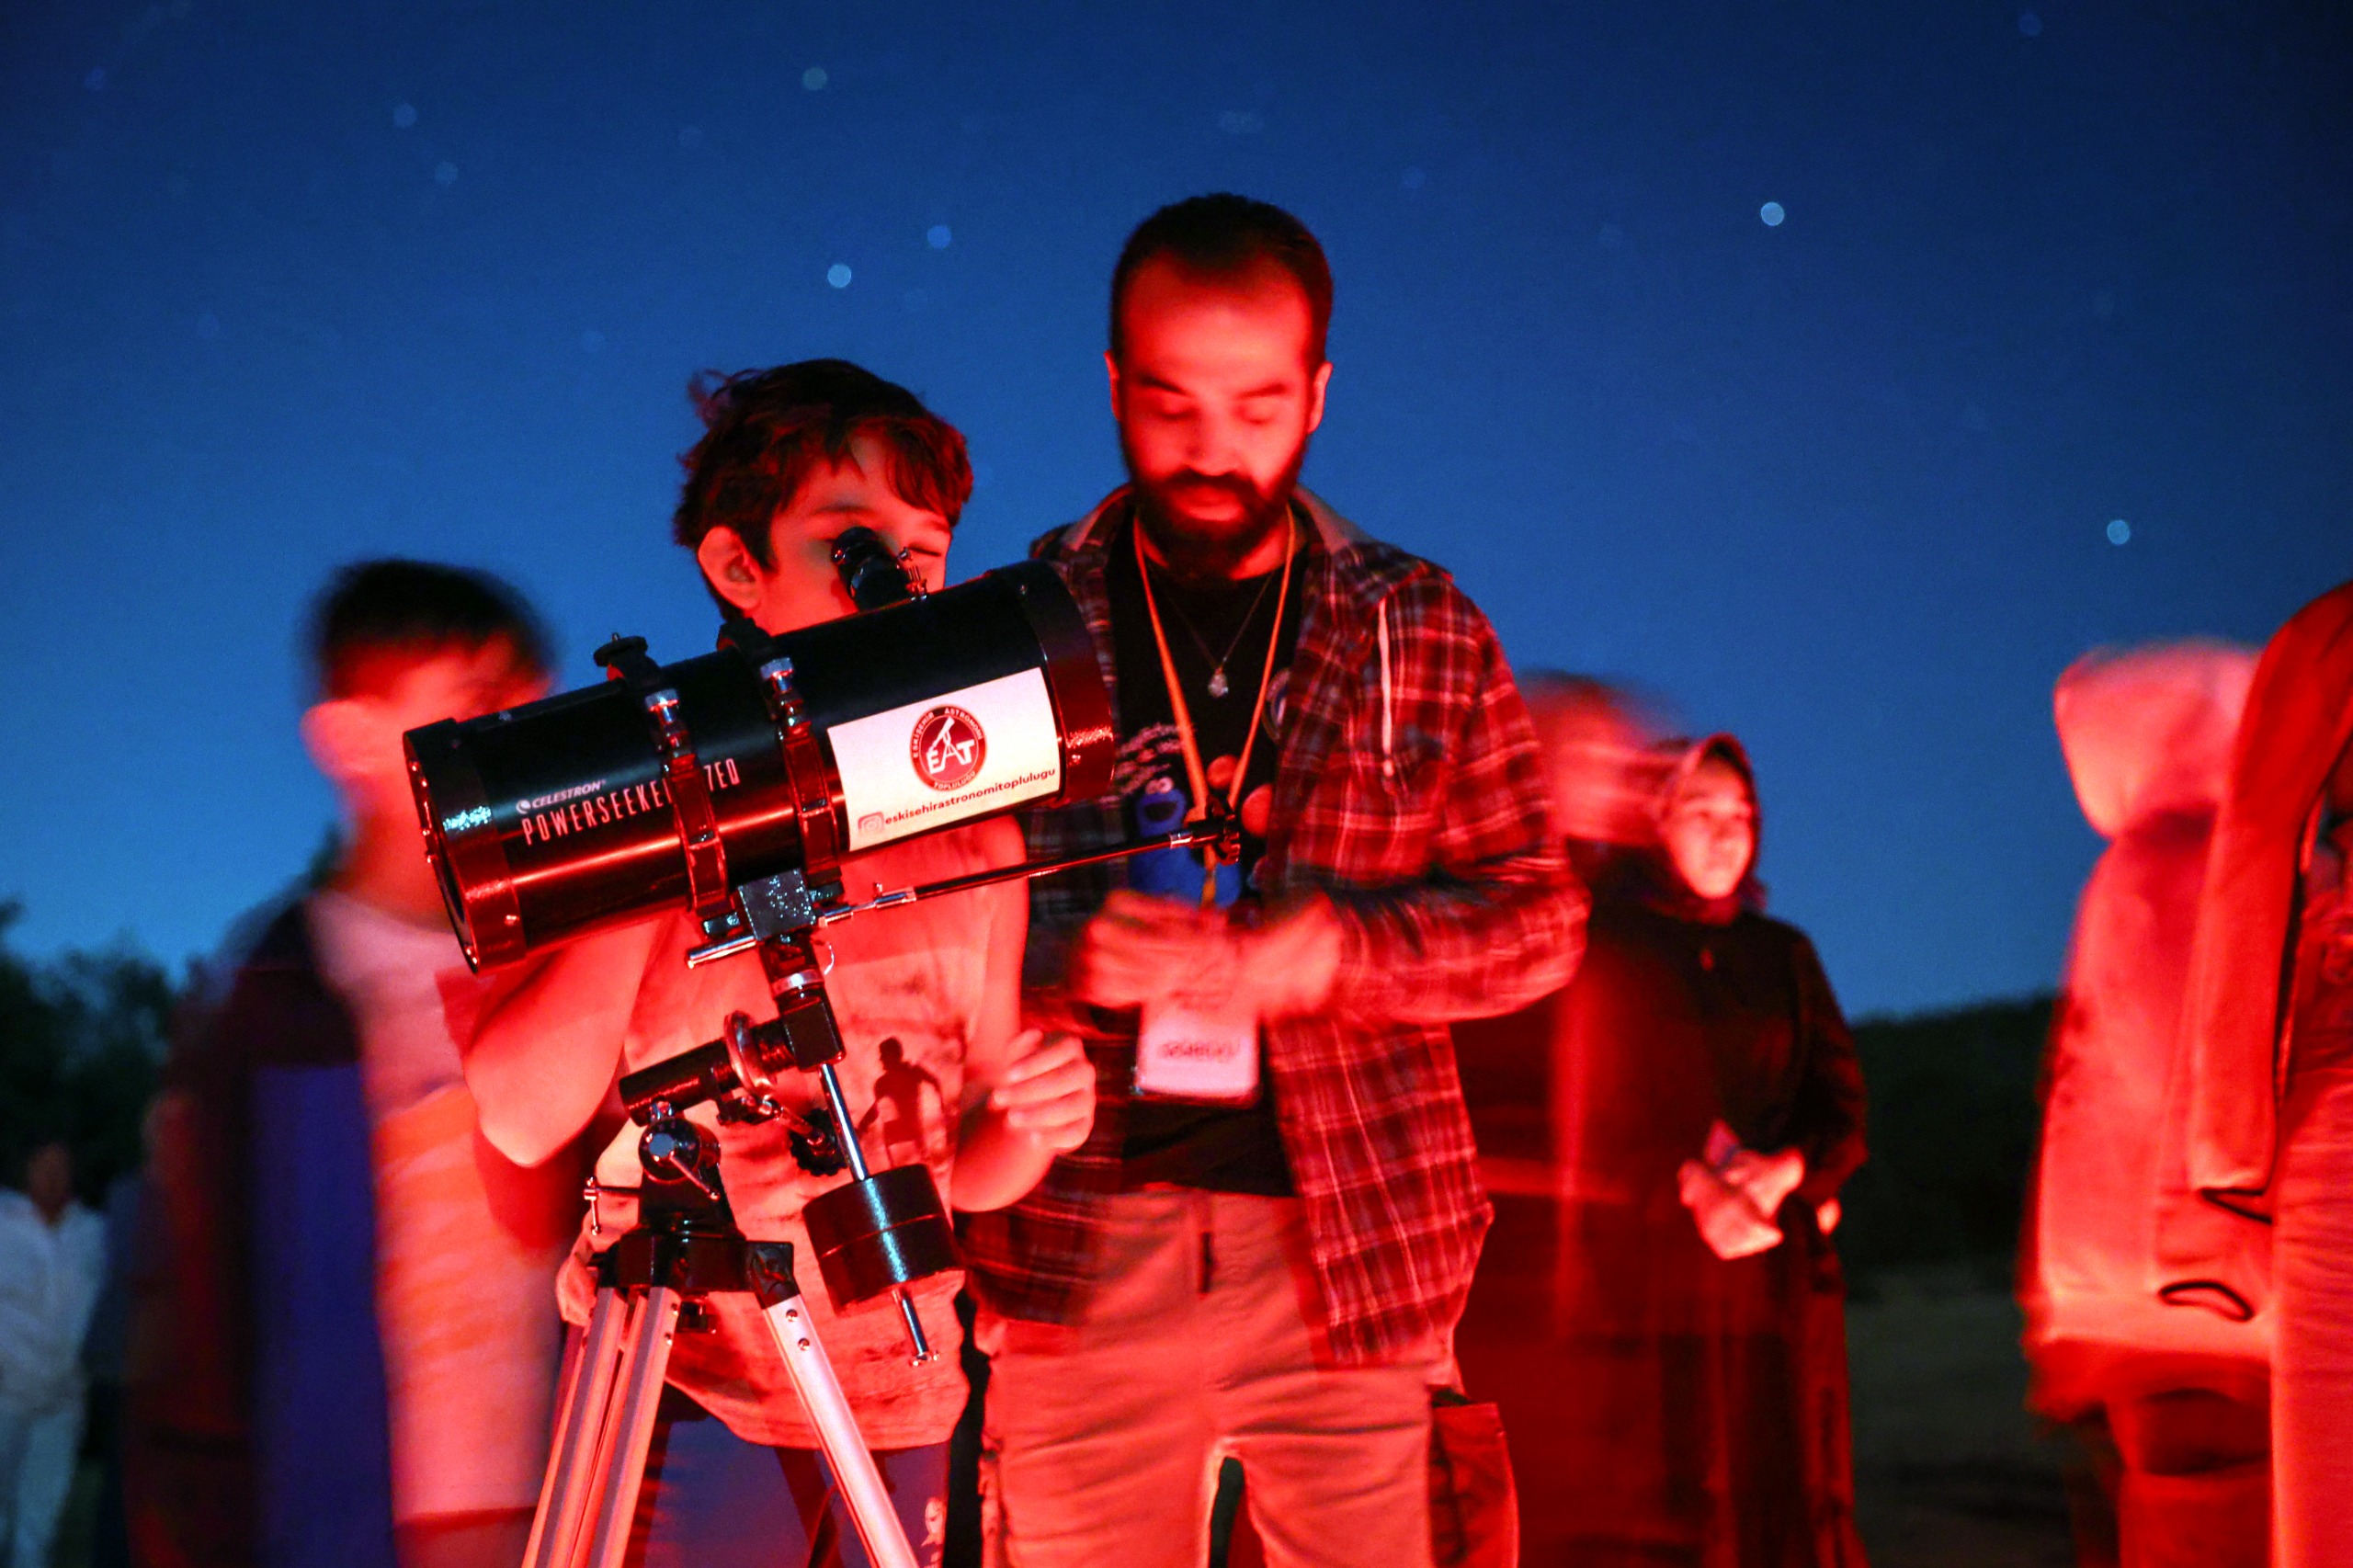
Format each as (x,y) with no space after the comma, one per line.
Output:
(1182,486)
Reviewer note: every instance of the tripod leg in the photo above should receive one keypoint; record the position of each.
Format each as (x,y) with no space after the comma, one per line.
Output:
(821,1395)
(588,1394)
(632,1429)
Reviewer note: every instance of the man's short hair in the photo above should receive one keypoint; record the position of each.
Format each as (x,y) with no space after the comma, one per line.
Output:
(1223,237)
(378,618)
(765,430)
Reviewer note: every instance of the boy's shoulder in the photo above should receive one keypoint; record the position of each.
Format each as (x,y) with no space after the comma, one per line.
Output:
(263,1001)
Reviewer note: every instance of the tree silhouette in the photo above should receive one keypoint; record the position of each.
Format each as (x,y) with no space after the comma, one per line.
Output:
(81,1036)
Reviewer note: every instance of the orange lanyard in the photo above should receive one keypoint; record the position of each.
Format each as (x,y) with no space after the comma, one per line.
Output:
(1195,774)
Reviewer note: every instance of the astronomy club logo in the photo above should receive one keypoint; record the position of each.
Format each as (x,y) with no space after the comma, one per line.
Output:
(947,748)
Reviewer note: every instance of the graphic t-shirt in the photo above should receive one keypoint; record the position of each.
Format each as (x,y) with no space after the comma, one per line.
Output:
(908,987)
(1219,637)
(467,1244)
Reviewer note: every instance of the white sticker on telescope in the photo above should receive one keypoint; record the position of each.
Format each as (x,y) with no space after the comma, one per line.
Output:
(949,758)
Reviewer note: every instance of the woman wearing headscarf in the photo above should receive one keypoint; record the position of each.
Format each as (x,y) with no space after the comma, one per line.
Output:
(2269,1038)
(1715,1108)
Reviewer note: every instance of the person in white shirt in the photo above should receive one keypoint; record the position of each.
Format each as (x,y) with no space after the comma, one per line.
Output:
(53,1256)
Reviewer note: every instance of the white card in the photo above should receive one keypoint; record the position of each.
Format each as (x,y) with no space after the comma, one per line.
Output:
(1201,1053)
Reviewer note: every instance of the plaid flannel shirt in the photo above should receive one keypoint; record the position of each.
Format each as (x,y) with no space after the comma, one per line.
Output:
(1410,792)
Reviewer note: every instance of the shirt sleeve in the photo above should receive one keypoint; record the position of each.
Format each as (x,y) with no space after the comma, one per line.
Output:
(1826,1122)
(1444,756)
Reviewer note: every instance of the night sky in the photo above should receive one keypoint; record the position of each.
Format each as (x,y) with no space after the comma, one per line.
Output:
(1797,362)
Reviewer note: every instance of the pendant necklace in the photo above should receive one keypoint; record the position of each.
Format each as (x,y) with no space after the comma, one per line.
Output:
(1217,684)
(1195,774)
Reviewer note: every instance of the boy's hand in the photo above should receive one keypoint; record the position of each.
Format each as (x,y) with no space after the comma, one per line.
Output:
(1048,1092)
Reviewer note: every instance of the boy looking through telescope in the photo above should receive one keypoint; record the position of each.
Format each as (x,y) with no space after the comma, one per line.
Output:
(928,999)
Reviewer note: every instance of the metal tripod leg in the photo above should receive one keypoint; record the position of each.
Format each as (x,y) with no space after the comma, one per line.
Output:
(630,1431)
(821,1395)
(580,1429)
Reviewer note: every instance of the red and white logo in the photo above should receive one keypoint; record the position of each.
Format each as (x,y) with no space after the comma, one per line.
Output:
(947,748)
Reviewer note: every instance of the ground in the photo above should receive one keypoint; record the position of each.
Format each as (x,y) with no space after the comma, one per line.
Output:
(1951,1473)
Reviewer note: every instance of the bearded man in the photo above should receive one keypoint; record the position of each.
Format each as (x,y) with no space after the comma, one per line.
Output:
(1263,1247)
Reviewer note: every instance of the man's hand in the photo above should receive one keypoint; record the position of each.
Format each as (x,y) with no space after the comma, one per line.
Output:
(1728,1221)
(1140,949)
(1048,1092)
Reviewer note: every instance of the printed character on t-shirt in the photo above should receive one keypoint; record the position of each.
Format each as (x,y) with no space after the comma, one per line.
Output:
(898,1105)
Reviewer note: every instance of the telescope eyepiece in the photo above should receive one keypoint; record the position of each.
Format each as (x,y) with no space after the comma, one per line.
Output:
(869,569)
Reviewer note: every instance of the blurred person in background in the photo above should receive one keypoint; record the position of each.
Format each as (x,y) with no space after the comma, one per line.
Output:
(2268,1037)
(348,1359)
(1602,771)
(2171,1404)
(104,1357)
(1603,768)
(52,1256)
(1718,1108)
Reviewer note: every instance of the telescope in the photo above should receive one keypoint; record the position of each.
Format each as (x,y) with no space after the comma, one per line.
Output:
(669,786)
(731,785)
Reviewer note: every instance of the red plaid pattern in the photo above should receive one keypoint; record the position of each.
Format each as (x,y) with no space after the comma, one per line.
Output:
(1410,792)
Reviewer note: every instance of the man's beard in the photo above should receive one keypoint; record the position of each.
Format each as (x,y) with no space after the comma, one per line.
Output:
(1210,551)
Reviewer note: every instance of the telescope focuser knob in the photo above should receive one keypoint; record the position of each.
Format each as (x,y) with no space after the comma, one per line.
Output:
(682,1152)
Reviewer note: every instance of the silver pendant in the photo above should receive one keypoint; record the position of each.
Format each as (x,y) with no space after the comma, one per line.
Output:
(1217,682)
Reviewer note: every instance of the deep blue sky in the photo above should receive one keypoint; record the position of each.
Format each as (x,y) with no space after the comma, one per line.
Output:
(285,285)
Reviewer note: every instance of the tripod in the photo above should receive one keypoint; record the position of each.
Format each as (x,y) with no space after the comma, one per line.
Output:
(879,1232)
(684,1248)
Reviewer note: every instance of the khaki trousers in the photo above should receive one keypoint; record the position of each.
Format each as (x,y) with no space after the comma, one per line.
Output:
(1103,1439)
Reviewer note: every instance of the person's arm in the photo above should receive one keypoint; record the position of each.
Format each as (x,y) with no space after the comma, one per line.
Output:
(1826,1119)
(1496,920)
(1028,1096)
(546,1047)
(1492,918)
(188,1477)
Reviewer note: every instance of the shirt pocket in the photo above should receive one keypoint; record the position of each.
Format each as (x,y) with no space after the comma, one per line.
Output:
(1384,809)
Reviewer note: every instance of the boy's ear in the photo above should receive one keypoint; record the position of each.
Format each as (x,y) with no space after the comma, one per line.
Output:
(339,732)
(729,568)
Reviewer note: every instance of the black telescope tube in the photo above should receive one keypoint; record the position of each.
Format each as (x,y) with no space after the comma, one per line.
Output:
(553,819)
